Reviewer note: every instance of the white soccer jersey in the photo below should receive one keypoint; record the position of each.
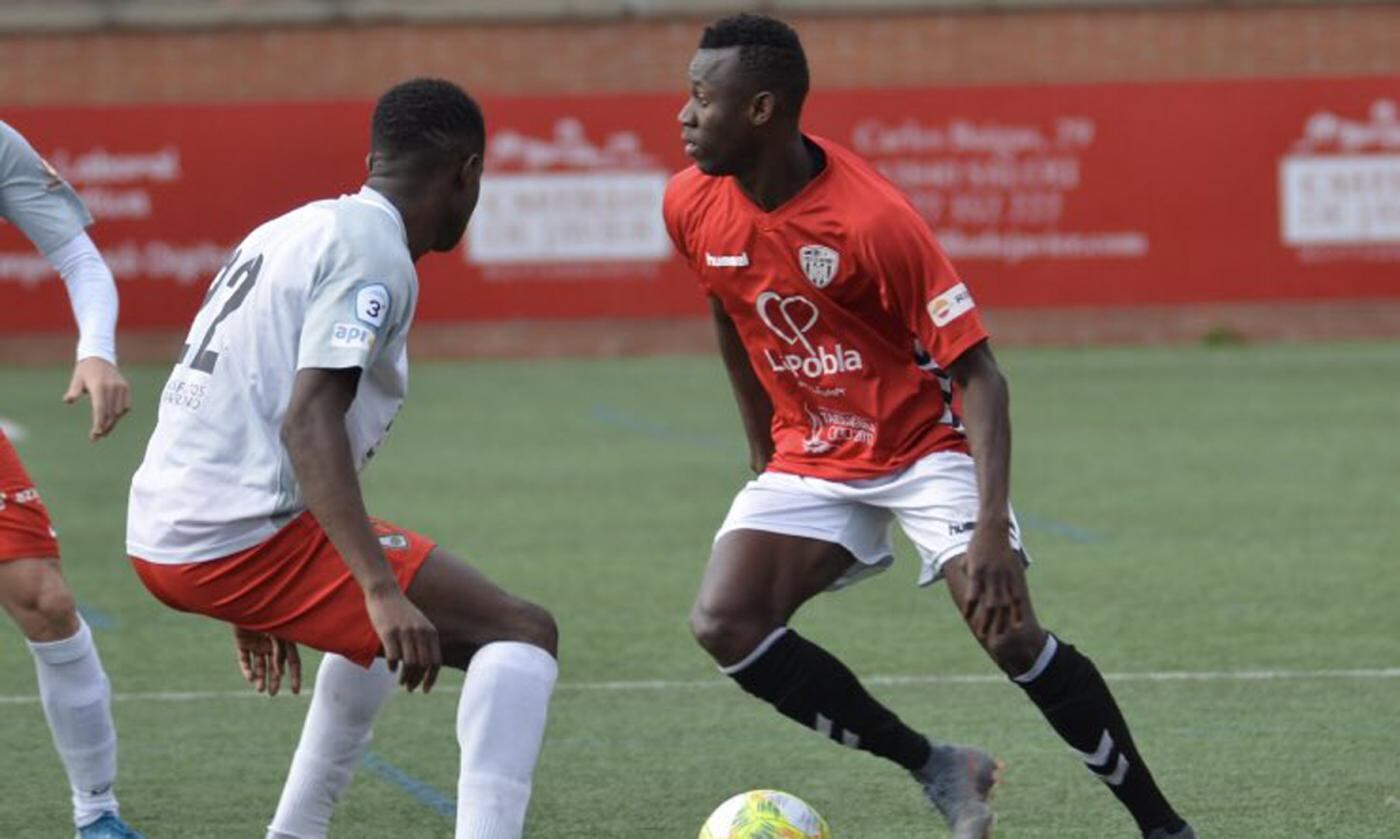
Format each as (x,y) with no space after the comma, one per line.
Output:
(34,198)
(329,285)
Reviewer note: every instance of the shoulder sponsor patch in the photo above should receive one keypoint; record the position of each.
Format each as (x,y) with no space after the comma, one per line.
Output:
(52,180)
(950,305)
(351,336)
(372,304)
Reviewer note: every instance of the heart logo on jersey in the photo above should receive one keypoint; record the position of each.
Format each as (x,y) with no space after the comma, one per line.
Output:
(790,318)
(819,263)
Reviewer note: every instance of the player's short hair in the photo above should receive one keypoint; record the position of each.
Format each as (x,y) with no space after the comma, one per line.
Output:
(427,121)
(770,53)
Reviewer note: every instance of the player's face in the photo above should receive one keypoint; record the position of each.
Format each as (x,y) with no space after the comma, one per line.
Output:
(717,124)
(458,204)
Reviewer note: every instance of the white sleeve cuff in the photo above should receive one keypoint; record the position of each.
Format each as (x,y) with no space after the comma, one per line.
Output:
(93,295)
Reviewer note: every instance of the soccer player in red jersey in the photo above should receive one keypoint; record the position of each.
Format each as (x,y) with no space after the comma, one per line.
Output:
(869,394)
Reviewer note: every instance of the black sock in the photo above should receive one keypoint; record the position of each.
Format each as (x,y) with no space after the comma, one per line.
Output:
(808,684)
(1075,699)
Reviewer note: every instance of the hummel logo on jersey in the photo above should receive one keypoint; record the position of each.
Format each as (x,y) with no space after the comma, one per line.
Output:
(819,263)
(740,260)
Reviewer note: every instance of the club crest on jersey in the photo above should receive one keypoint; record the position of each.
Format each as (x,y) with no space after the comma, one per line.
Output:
(819,263)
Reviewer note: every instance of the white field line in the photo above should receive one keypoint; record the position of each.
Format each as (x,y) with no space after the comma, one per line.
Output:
(894,680)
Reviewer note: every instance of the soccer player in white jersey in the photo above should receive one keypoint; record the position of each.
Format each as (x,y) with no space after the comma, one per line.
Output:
(74,689)
(247,507)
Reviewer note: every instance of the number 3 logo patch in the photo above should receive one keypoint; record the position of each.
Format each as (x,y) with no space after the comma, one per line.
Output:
(372,304)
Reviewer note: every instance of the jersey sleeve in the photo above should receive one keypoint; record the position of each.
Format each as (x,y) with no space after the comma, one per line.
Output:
(677,200)
(356,305)
(34,198)
(919,282)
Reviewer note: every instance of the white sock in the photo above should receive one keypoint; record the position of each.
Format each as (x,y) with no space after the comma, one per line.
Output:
(500,725)
(334,737)
(77,700)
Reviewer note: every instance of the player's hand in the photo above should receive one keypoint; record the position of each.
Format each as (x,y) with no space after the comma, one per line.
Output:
(996,592)
(110,394)
(409,638)
(264,660)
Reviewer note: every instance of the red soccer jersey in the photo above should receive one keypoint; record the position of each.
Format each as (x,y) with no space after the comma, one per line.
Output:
(841,297)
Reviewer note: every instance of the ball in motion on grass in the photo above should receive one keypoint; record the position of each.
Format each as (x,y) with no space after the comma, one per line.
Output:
(765,814)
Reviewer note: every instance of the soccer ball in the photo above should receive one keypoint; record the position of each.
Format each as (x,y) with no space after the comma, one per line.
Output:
(765,814)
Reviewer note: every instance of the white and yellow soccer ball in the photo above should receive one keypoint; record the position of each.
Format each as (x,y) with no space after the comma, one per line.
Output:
(765,814)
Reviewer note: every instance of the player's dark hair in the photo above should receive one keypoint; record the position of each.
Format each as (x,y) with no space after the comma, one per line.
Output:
(770,54)
(427,121)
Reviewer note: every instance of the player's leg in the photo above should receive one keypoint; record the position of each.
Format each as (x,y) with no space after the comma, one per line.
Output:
(507,647)
(1068,689)
(337,731)
(505,644)
(73,687)
(754,582)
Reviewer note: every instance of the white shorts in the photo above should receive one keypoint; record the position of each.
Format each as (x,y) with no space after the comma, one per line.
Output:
(934,499)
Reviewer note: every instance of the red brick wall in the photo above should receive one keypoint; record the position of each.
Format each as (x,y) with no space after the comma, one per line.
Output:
(950,48)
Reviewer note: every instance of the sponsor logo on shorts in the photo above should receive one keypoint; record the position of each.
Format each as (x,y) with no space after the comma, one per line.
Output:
(351,336)
(959,528)
(950,305)
(372,304)
(393,541)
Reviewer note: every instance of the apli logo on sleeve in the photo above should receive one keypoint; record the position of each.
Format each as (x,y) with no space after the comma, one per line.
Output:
(372,304)
(950,305)
(351,336)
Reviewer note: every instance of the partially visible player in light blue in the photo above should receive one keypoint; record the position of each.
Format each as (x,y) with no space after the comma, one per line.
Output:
(73,687)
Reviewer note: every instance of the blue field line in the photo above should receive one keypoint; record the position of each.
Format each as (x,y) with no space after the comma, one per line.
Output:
(96,618)
(1072,532)
(659,431)
(421,791)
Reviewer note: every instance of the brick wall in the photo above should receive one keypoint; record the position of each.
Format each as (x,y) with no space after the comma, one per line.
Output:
(948,48)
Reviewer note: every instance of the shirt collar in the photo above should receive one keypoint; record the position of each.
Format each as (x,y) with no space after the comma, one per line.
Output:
(377,199)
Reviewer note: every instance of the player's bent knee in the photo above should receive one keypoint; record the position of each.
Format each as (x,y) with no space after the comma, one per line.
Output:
(46,611)
(726,636)
(536,625)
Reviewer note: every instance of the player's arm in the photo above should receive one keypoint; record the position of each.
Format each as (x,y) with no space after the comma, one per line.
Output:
(755,406)
(93,297)
(51,215)
(986,413)
(940,312)
(318,444)
(998,585)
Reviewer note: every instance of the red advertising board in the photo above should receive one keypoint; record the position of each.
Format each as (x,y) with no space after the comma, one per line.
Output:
(1043,195)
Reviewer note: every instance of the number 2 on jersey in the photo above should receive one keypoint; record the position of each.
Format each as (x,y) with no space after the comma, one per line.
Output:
(241,281)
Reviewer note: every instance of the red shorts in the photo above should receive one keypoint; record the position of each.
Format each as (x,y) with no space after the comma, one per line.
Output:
(294,586)
(25,529)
